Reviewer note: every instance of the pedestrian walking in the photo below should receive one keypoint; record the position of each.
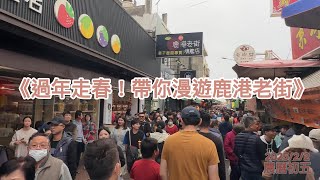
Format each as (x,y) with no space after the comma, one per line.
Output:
(298,144)
(267,146)
(204,130)
(104,133)
(71,128)
(101,160)
(47,166)
(144,125)
(314,135)
(89,129)
(171,128)
(296,129)
(280,136)
(229,145)
(118,134)
(21,138)
(225,126)
(246,149)
(188,155)
(131,140)
(19,168)
(63,146)
(80,140)
(147,168)
(160,135)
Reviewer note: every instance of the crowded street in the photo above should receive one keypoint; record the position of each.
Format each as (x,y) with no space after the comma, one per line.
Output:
(159,90)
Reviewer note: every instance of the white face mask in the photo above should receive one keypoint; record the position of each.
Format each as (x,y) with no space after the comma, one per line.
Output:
(38,154)
(170,123)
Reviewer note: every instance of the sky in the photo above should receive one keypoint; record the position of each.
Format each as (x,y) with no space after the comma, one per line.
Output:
(227,24)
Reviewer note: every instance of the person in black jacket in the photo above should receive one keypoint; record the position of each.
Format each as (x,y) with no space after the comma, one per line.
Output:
(63,146)
(104,133)
(144,125)
(204,130)
(247,150)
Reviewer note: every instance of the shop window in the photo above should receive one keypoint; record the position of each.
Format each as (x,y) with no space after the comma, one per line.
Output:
(120,105)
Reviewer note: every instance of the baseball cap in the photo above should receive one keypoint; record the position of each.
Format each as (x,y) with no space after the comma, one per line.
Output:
(314,134)
(56,121)
(190,112)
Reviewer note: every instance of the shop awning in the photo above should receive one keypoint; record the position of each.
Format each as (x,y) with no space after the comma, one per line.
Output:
(276,68)
(303,13)
(280,64)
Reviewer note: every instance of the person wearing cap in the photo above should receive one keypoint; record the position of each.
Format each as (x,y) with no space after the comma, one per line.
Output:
(188,155)
(246,149)
(45,128)
(298,144)
(314,135)
(63,146)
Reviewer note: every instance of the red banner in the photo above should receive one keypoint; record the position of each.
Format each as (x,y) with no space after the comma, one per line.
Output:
(304,41)
(278,5)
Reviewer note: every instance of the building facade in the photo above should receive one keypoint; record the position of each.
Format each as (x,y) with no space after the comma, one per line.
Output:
(69,39)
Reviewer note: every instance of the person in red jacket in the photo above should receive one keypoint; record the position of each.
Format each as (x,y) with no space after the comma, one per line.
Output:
(229,147)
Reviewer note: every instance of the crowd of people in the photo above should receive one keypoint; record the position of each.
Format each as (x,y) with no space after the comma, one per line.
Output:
(189,144)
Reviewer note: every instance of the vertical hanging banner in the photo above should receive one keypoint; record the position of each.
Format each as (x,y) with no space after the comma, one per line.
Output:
(179,45)
(278,5)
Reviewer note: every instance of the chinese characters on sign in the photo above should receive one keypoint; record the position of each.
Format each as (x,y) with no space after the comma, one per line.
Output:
(287,163)
(244,53)
(35,5)
(181,88)
(179,45)
(304,41)
(278,5)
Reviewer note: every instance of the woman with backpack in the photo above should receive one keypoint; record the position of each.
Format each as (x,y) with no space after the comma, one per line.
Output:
(160,135)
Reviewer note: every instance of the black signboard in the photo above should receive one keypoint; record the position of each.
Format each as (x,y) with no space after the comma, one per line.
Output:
(188,74)
(179,45)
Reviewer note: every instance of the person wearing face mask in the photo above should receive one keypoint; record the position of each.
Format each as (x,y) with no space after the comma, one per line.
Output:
(47,166)
(171,128)
(147,167)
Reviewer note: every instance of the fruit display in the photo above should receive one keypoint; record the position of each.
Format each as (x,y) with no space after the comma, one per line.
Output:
(115,44)
(64,13)
(86,26)
(102,36)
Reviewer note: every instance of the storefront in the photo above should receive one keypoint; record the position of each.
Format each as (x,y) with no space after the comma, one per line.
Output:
(68,39)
